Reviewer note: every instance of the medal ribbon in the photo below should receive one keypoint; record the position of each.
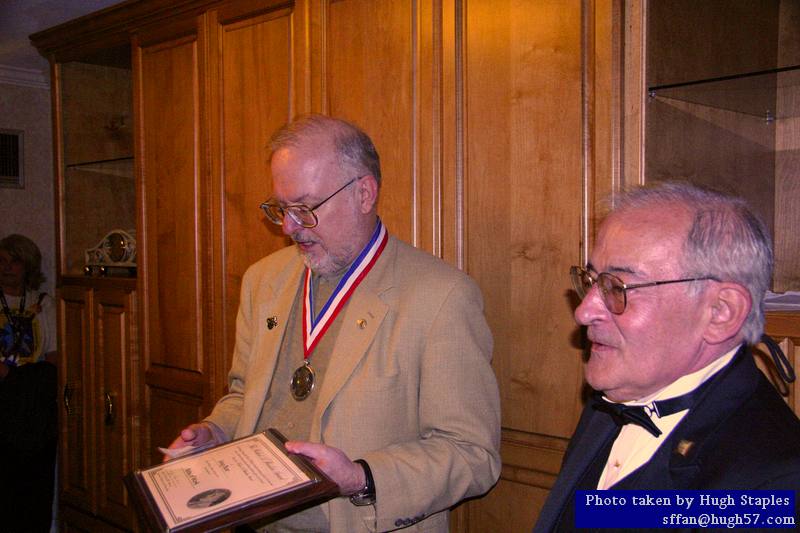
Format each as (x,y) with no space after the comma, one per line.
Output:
(14,322)
(315,328)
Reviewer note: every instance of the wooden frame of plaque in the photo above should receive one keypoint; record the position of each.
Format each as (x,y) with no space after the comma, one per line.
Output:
(245,480)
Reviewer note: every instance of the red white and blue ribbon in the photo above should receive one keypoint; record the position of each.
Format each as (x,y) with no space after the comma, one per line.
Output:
(314,328)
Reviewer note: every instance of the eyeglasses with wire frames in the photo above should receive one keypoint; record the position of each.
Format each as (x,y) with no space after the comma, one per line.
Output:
(612,289)
(300,213)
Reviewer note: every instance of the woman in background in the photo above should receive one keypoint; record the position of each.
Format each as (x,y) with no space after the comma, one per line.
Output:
(28,382)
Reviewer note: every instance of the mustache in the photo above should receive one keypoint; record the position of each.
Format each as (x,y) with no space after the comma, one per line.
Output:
(597,338)
(299,236)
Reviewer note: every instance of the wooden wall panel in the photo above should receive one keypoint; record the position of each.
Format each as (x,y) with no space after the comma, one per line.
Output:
(174,412)
(169,117)
(528,129)
(524,200)
(254,56)
(509,507)
(369,73)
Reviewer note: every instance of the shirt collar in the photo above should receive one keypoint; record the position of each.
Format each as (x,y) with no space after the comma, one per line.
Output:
(689,382)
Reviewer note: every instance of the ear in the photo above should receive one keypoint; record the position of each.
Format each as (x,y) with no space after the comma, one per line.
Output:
(729,305)
(367,193)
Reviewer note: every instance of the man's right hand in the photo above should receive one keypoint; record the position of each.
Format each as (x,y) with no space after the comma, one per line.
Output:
(197,435)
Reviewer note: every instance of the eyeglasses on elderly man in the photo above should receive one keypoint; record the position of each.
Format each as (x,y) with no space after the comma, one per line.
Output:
(612,289)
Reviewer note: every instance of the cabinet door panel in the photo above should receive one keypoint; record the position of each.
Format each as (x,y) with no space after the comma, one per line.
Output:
(523,206)
(253,51)
(167,84)
(76,443)
(168,113)
(523,124)
(116,366)
(369,79)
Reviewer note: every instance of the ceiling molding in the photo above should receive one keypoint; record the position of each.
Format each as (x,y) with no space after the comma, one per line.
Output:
(24,77)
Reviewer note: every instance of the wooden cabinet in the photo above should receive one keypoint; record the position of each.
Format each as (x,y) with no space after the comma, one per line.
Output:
(499,125)
(720,102)
(99,379)
(723,108)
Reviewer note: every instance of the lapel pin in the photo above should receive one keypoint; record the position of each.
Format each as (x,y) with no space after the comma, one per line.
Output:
(272,322)
(684,447)
(361,323)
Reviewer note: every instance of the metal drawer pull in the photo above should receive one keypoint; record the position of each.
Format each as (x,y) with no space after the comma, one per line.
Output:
(110,415)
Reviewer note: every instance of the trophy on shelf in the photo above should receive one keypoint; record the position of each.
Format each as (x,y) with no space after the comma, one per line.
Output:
(114,255)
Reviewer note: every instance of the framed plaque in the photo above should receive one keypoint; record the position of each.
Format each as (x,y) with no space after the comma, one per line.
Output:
(241,481)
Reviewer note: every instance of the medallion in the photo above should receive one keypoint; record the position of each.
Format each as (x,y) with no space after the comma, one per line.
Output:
(302,382)
(314,327)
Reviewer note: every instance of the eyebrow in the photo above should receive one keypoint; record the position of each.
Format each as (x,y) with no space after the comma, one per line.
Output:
(612,269)
(301,200)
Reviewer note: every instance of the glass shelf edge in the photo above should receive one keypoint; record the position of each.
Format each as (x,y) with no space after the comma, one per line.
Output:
(732,77)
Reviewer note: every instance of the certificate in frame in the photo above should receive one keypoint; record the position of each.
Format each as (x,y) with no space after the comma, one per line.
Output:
(245,480)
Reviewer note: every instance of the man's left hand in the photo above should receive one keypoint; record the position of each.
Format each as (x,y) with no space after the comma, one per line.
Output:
(334,463)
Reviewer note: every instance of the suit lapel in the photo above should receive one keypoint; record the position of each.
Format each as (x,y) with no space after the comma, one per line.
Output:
(697,433)
(274,300)
(361,321)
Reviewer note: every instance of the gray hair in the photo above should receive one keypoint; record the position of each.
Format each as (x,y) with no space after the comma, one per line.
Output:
(353,147)
(726,240)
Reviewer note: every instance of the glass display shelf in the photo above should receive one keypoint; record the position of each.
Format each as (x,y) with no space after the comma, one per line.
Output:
(120,166)
(752,93)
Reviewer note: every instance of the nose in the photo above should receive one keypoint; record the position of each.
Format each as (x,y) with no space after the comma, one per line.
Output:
(289,226)
(591,308)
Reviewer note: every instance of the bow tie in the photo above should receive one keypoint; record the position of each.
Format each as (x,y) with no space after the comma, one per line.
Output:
(640,414)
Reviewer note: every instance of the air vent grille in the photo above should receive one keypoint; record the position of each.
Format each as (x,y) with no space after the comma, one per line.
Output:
(10,158)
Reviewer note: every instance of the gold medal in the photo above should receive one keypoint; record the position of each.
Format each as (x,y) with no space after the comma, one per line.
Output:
(302,382)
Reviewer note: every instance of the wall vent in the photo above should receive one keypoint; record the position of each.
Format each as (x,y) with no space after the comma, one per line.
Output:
(11,161)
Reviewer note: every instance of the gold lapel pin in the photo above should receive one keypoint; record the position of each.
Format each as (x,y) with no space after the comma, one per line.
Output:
(272,322)
(683,447)
(361,323)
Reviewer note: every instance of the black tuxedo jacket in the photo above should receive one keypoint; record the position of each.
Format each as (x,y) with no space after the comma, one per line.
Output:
(740,435)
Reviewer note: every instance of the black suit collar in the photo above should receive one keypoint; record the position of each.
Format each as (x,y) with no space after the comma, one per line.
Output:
(681,453)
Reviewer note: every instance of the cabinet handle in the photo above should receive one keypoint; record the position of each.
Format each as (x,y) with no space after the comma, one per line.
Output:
(67,397)
(109,410)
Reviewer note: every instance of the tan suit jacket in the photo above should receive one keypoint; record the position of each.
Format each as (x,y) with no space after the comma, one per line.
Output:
(412,391)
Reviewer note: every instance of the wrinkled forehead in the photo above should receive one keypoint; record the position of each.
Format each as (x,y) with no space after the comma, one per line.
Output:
(642,240)
(305,173)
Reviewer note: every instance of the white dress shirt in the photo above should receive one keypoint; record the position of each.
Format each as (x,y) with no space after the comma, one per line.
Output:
(635,445)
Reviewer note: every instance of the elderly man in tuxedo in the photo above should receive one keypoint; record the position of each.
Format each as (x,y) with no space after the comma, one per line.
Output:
(671,300)
(358,346)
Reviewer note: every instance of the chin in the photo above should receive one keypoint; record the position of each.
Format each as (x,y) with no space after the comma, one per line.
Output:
(596,375)
(317,265)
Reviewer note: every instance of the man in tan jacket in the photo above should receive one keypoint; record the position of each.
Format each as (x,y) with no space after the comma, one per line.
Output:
(358,346)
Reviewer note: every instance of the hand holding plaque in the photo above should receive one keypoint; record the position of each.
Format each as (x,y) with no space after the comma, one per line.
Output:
(240,481)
